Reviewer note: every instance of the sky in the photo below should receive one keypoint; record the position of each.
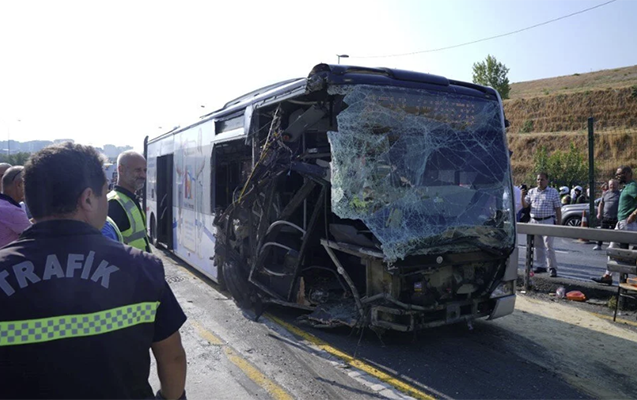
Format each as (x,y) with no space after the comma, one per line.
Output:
(114,72)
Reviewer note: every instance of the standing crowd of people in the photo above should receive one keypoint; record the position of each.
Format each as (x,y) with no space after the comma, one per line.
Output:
(82,300)
(542,205)
(626,211)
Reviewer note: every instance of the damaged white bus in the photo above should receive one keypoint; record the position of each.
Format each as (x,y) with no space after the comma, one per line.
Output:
(369,197)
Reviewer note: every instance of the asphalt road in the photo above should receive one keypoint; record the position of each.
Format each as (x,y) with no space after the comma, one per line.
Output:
(455,362)
(231,356)
(576,260)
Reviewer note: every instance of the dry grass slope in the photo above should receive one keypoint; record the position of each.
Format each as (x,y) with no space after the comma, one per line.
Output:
(611,150)
(559,118)
(611,108)
(604,79)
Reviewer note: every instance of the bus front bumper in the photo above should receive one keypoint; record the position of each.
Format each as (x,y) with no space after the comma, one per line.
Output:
(503,306)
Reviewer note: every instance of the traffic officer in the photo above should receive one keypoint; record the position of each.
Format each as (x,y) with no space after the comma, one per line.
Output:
(78,311)
(123,205)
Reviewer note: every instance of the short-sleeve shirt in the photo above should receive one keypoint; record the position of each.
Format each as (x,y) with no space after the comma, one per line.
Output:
(13,220)
(79,313)
(627,201)
(543,202)
(611,203)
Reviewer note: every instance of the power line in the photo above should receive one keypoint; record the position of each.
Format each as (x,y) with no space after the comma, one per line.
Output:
(488,38)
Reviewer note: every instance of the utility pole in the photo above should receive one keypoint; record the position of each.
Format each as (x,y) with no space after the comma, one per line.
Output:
(9,136)
(591,174)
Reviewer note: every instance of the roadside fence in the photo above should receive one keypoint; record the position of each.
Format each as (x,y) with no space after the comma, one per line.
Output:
(622,261)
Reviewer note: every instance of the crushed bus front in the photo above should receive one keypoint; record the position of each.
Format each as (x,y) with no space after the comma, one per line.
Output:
(375,198)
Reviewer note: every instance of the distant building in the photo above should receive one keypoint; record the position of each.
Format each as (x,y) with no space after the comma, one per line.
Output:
(109,150)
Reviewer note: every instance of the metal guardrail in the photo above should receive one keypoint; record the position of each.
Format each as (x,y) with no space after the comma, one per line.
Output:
(594,234)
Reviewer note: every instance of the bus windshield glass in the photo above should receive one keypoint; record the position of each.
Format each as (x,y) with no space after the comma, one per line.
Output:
(427,171)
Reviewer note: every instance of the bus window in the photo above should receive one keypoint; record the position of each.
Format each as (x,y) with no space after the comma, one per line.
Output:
(232,162)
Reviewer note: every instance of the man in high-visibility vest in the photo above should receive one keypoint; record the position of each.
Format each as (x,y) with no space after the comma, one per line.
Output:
(123,205)
(79,312)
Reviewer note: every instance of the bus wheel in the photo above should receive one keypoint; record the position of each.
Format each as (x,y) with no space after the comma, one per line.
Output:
(237,284)
(153,231)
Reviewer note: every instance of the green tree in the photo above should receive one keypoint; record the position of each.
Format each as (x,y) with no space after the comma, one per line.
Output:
(565,168)
(492,73)
(540,164)
(15,158)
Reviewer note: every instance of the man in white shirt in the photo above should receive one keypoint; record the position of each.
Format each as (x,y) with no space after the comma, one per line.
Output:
(546,209)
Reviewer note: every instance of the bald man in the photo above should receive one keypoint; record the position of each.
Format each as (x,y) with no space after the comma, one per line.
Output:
(123,205)
(3,168)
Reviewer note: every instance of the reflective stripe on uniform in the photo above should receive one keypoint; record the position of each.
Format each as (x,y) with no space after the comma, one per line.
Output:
(70,326)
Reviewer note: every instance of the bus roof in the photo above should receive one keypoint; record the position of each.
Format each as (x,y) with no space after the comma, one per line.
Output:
(345,74)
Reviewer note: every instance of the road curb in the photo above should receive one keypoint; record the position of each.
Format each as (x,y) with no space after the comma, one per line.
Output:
(544,284)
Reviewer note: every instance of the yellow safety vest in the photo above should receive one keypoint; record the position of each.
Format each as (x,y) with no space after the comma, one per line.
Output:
(135,235)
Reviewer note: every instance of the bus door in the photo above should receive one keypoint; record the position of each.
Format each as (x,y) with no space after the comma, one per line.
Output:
(165,200)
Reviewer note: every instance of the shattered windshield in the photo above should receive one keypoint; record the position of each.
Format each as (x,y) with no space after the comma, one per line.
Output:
(426,171)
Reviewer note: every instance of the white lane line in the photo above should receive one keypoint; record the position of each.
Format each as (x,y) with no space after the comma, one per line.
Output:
(557,251)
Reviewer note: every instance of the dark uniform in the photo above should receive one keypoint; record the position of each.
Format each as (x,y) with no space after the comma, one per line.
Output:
(78,314)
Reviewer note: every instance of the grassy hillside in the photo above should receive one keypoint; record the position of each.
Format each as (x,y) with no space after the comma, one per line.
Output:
(611,150)
(578,82)
(553,113)
(611,108)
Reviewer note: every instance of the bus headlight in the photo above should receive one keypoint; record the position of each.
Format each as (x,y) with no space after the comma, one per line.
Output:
(503,289)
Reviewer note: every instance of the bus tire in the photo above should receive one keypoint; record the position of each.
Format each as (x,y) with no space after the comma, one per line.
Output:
(236,283)
(153,231)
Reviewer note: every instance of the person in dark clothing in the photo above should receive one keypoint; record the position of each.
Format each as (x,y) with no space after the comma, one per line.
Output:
(78,311)
(579,197)
(524,214)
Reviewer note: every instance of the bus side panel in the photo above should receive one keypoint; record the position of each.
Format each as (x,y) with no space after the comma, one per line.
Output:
(193,235)
(153,151)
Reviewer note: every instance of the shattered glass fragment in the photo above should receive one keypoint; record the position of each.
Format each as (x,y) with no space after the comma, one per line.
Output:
(426,171)
(334,314)
(340,89)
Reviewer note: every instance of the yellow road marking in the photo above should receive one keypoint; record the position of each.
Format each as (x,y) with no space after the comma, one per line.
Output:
(256,376)
(276,391)
(398,384)
(209,336)
(608,317)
